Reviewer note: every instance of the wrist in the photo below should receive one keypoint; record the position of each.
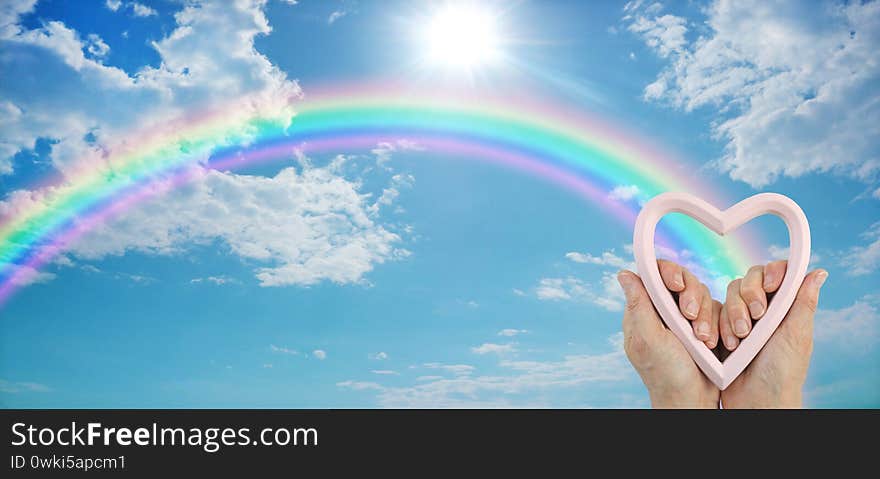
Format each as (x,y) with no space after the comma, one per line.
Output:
(789,398)
(669,400)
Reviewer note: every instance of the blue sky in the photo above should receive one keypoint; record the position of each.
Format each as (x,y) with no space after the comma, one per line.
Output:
(464,291)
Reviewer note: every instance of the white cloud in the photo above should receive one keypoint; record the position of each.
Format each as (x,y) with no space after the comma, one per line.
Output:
(141,10)
(557,288)
(847,392)
(135,278)
(336,15)
(96,46)
(493,348)
(523,378)
(23,275)
(795,84)
(607,258)
(665,33)
(624,192)
(777,252)
(455,369)
(298,228)
(392,192)
(855,327)
(10,387)
(607,295)
(217,280)
(64,261)
(380,356)
(209,59)
(519,292)
(320,354)
(360,385)
(282,350)
(862,260)
(137,9)
(384,372)
(610,297)
(383,150)
(509,332)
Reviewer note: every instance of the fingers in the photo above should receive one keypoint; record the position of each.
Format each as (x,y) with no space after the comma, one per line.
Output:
(737,311)
(725,329)
(706,324)
(691,295)
(695,300)
(691,298)
(774,272)
(752,292)
(672,275)
(747,300)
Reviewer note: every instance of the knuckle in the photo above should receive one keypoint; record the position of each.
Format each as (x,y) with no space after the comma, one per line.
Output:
(633,304)
(636,346)
(811,302)
(667,267)
(799,340)
(733,286)
(751,293)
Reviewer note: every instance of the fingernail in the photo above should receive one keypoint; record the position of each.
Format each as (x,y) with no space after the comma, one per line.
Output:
(821,276)
(740,326)
(756,308)
(731,342)
(703,330)
(678,280)
(768,280)
(691,309)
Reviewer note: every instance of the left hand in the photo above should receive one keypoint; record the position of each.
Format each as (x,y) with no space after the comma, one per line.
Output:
(671,376)
(776,377)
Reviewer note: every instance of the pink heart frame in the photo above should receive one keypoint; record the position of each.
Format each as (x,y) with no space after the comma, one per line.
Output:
(722,222)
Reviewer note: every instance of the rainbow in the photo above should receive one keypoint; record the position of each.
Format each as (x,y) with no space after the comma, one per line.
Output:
(577,152)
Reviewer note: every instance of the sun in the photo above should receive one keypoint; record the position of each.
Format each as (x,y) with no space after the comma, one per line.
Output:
(461,37)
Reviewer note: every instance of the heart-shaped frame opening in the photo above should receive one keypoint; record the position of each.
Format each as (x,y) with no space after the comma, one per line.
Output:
(722,222)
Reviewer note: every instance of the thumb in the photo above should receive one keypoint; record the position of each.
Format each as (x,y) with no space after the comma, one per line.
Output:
(639,315)
(807,300)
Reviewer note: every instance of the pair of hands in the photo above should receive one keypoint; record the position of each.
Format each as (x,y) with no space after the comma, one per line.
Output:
(776,376)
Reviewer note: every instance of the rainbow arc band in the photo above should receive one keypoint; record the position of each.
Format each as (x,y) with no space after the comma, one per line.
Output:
(579,153)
